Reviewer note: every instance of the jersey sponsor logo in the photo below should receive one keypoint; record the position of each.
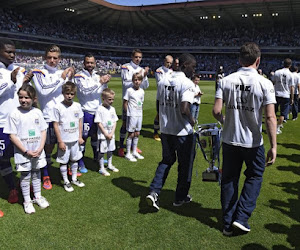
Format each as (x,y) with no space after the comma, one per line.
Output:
(31,132)
(72,124)
(239,107)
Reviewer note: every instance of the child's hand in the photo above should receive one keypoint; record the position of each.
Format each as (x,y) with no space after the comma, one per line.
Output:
(81,141)
(62,146)
(108,136)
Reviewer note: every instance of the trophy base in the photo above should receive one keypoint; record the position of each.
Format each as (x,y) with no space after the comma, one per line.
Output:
(210,176)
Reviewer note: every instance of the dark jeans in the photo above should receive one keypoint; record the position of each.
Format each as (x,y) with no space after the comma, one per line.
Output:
(172,146)
(295,107)
(235,208)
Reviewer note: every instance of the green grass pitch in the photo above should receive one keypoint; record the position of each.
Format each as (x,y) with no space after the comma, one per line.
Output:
(111,212)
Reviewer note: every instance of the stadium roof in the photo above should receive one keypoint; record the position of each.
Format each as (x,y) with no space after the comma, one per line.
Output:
(179,15)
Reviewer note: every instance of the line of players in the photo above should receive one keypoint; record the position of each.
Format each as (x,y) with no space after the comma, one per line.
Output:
(48,81)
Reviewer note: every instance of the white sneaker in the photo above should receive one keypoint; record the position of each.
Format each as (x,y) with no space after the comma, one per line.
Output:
(278,131)
(104,172)
(113,168)
(130,157)
(138,156)
(42,202)
(68,187)
(28,207)
(78,183)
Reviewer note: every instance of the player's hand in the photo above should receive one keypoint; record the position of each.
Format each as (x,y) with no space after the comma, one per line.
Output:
(62,146)
(68,72)
(109,136)
(271,156)
(14,74)
(28,77)
(30,153)
(146,71)
(36,153)
(81,141)
(105,79)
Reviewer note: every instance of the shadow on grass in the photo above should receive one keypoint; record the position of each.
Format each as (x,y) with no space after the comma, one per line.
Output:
(207,216)
(292,157)
(252,246)
(293,169)
(290,145)
(291,208)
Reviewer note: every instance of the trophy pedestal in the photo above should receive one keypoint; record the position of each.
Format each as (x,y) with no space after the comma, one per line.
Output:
(210,176)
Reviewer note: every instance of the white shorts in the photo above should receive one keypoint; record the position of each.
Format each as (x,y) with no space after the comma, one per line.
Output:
(105,146)
(134,123)
(72,153)
(34,163)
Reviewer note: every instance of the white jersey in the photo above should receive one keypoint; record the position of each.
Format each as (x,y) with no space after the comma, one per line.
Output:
(161,72)
(68,120)
(48,84)
(283,80)
(9,99)
(89,90)
(244,94)
(127,72)
(27,126)
(135,100)
(171,92)
(107,117)
(196,90)
(296,81)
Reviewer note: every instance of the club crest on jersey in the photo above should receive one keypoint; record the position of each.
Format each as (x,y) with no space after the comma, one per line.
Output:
(76,114)
(37,121)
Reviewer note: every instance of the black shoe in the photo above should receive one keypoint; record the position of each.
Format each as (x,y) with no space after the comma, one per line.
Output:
(152,200)
(187,199)
(227,232)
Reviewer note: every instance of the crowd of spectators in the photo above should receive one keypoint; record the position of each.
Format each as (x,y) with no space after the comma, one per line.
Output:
(11,20)
(110,61)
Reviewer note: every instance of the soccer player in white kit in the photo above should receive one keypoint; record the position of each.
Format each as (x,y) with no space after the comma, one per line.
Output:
(133,106)
(245,95)
(27,129)
(284,91)
(89,87)
(106,118)
(67,123)
(127,72)
(296,82)
(48,81)
(11,79)
(174,96)
(160,73)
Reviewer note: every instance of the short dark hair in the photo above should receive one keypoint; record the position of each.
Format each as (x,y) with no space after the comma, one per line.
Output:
(69,86)
(249,52)
(5,41)
(186,57)
(287,62)
(136,51)
(294,68)
(89,55)
(195,76)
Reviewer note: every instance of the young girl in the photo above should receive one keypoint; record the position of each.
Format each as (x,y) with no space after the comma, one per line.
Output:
(27,129)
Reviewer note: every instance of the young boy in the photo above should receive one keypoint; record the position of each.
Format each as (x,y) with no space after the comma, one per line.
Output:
(67,123)
(197,97)
(133,106)
(106,118)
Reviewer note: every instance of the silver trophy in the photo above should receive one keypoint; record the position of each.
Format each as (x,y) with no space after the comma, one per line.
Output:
(208,139)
